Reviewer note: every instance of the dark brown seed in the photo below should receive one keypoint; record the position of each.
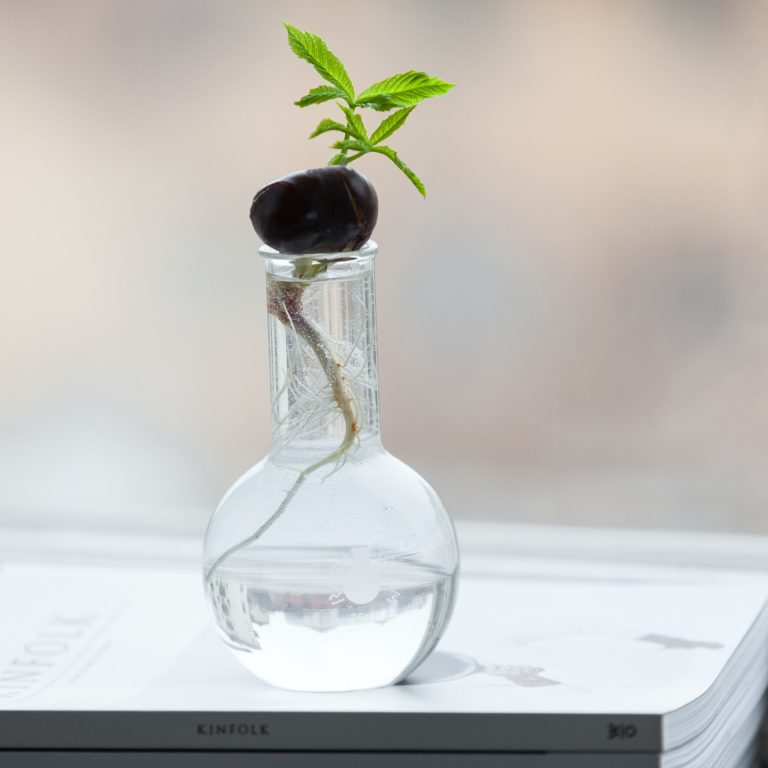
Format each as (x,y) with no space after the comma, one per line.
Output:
(322,210)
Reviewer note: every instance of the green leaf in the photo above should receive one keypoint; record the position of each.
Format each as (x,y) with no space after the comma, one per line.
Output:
(404,90)
(320,94)
(328,125)
(354,123)
(313,49)
(382,103)
(353,144)
(392,155)
(398,94)
(390,124)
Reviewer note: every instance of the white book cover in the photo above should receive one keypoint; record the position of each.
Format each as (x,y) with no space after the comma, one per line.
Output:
(539,656)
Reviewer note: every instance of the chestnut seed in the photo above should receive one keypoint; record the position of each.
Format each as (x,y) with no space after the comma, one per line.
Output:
(322,210)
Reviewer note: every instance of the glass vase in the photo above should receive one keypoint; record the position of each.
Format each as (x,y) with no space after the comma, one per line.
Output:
(330,565)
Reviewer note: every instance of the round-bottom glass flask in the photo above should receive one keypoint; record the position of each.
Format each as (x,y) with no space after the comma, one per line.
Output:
(330,565)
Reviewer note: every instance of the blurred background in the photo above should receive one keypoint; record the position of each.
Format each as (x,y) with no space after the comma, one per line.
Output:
(573,325)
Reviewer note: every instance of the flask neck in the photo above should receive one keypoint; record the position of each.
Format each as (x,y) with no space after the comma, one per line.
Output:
(323,355)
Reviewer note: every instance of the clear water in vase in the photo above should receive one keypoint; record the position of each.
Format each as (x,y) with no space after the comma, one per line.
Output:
(329,619)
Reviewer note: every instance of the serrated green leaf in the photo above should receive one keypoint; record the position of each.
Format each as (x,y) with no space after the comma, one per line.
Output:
(355,123)
(352,144)
(390,124)
(320,94)
(328,125)
(379,103)
(399,94)
(404,90)
(392,155)
(312,48)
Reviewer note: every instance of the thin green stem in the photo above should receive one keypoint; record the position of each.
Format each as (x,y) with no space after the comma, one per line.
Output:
(344,151)
(353,157)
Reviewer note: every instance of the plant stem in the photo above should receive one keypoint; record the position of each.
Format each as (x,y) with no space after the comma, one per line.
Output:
(284,301)
(352,157)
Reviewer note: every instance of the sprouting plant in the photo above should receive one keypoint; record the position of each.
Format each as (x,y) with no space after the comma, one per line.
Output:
(400,93)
